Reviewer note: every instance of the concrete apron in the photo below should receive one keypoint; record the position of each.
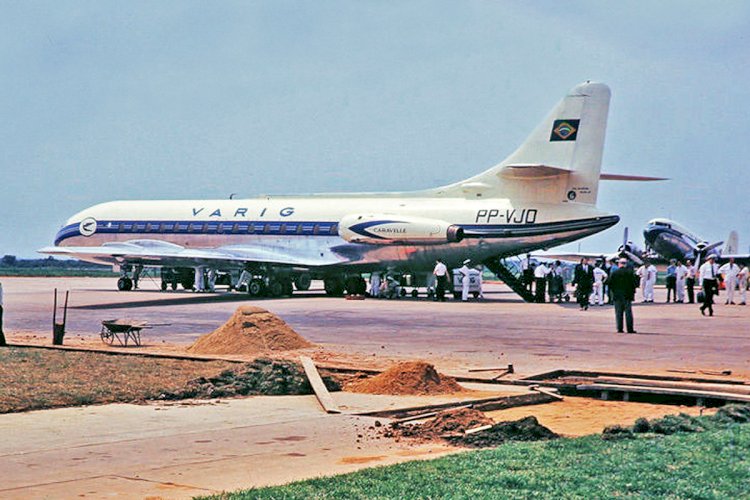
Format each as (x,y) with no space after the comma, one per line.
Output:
(178,450)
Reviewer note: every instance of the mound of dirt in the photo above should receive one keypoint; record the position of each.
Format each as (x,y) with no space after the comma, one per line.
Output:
(410,378)
(525,429)
(447,423)
(262,376)
(250,330)
(451,426)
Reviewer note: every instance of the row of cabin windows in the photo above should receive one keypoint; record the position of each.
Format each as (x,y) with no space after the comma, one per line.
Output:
(228,227)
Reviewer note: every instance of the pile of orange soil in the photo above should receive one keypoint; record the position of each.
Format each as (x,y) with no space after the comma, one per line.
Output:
(410,377)
(250,330)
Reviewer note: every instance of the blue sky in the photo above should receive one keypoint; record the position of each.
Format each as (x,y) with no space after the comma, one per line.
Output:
(140,100)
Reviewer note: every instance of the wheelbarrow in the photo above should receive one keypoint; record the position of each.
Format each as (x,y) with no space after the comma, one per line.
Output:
(123,331)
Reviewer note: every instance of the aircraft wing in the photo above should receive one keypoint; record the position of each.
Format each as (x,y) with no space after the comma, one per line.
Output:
(741,259)
(576,257)
(161,253)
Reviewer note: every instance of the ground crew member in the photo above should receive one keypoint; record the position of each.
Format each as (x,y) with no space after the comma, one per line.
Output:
(375,285)
(690,281)
(730,270)
(200,281)
(642,273)
(681,275)
(650,282)
(2,334)
(742,278)
(441,276)
(480,268)
(465,280)
(707,279)
(137,275)
(599,276)
(540,276)
(622,283)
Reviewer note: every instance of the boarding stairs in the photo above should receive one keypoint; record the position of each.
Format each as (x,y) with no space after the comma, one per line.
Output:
(505,271)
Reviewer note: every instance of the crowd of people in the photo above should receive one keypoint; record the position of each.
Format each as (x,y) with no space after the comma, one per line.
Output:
(616,282)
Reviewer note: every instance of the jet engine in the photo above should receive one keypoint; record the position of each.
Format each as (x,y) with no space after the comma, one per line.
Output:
(390,229)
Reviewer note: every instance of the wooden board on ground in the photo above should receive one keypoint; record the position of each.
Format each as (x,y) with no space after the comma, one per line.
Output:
(321,392)
(728,396)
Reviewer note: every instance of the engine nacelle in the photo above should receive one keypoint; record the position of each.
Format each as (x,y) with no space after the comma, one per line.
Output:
(392,229)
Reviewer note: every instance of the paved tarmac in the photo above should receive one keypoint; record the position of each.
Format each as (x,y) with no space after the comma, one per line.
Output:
(494,332)
(181,450)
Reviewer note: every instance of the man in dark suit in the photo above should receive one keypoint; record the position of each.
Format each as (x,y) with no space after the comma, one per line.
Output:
(583,279)
(622,282)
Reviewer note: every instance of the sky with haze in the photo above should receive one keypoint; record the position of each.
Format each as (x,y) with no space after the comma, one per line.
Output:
(104,100)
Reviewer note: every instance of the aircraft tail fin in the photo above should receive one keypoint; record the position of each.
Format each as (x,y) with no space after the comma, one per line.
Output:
(560,160)
(732,245)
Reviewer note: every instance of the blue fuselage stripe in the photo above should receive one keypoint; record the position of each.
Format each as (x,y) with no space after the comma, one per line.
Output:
(312,228)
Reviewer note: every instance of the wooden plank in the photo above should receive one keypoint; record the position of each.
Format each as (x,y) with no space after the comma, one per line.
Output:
(665,391)
(321,392)
(715,387)
(536,388)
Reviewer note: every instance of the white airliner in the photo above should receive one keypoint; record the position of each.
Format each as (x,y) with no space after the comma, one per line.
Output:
(542,195)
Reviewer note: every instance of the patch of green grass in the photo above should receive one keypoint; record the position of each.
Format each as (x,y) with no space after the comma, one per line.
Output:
(32,379)
(710,464)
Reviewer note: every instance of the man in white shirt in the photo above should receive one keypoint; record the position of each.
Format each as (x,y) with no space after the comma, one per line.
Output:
(540,276)
(375,284)
(465,280)
(681,273)
(730,270)
(742,278)
(441,276)
(707,279)
(599,276)
(642,273)
(650,282)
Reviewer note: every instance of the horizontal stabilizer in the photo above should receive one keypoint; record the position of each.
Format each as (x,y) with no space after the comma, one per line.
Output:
(622,177)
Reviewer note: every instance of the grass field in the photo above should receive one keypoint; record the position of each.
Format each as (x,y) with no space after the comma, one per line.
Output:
(710,464)
(32,379)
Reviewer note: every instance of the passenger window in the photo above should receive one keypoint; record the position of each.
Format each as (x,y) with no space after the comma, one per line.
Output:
(334,229)
(316,229)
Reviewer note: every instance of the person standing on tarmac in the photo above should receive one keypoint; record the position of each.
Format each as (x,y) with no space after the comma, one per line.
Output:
(650,282)
(540,277)
(441,277)
(642,273)
(375,284)
(742,278)
(583,279)
(465,280)
(600,276)
(730,270)
(672,280)
(680,273)
(527,272)
(622,283)
(690,281)
(2,334)
(707,278)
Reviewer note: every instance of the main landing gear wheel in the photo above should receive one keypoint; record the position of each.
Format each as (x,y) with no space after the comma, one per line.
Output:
(255,288)
(334,287)
(124,284)
(275,289)
(302,282)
